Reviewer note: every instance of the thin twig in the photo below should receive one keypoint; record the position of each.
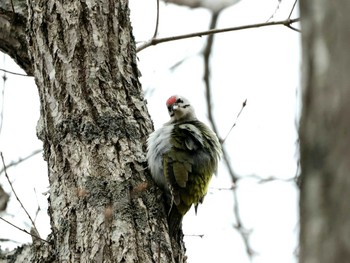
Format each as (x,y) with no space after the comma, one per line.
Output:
(271,178)
(206,55)
(194,235)
(226,158)
(245,233)
(274,12)
(294,28)
(13,7)
(157,22)
(14,73)
(223,188)
(38,209)
(155,41)
(291,11)
(21,159)
(234,124)
(9,240)
(14,192)
(23,230)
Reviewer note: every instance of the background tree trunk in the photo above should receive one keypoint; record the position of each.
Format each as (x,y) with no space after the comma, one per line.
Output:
(94,122)
(324,132)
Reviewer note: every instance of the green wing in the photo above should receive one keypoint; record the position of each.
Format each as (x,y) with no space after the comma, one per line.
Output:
(189,164)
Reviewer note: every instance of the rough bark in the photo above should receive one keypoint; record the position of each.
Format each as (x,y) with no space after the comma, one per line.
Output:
(13,21)
(94,122)
(324,132)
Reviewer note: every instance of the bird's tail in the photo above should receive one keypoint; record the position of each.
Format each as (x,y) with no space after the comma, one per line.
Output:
(175,223)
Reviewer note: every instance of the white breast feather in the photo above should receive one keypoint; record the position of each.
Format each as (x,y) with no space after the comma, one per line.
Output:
(158,144)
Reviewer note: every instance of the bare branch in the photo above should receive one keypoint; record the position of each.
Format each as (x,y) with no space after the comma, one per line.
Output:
(12,6)
(224,188)
(206,77)
(156,41)
(193,235)
(293,7)
(242,231)
(9,240)
(293,28)
(14,192)
(271,178)
(157,22)
(206,55)
(22,159)
(38,209)
(274,12)
(245,233)
(234,124)
(23,230)
(14,73)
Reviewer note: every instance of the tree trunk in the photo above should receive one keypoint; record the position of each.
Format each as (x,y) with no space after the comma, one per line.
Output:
(325,132)
(103,206)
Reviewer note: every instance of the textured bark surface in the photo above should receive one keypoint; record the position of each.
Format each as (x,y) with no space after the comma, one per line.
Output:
(94,124)
(325,132)
(13,32)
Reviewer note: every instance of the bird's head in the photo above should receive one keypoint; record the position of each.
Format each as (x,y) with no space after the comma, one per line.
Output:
(180,109)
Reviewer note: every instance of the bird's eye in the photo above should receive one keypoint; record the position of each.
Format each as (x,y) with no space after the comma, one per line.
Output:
(179,101)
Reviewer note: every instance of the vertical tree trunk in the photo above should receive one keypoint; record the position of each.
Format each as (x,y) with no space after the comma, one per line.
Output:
(325,132)
(93,125)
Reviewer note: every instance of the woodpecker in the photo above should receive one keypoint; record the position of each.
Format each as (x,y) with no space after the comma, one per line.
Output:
(182,157)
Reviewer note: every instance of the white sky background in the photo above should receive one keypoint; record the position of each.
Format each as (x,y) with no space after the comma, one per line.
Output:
(260,65)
